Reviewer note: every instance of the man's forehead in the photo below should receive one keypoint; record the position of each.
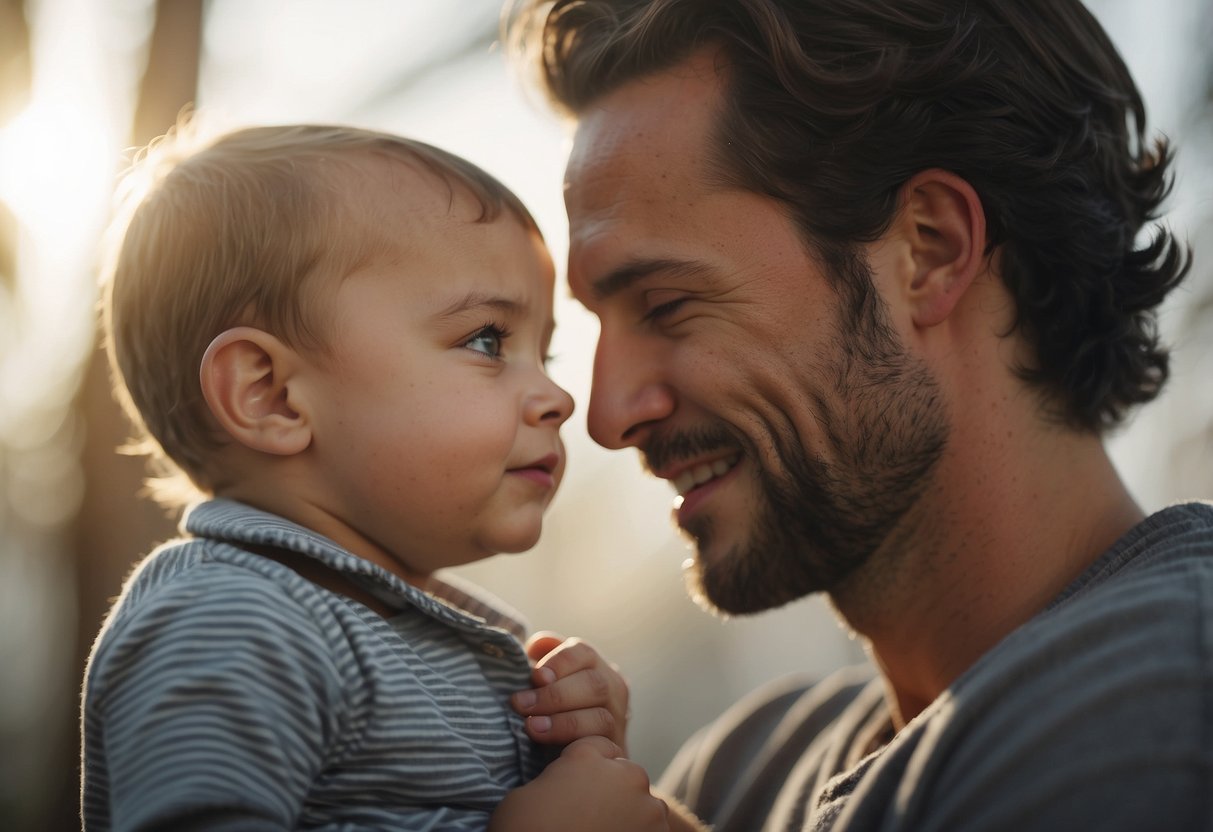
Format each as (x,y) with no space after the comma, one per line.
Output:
(640,156)
(671,111)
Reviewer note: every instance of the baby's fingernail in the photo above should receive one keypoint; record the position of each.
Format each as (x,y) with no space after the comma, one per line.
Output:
(540,724)
(526,699)
(547,675)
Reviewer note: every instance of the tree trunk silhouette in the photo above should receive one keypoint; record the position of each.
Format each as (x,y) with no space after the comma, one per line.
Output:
(14,95)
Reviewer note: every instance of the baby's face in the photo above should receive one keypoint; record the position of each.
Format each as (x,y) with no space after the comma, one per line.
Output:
(435,423)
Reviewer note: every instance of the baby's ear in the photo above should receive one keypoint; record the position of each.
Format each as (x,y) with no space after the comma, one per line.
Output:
(947,231)
(246,376)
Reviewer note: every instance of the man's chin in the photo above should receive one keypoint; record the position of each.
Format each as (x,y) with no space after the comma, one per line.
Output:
(699,571)
(701,594)
(727,584)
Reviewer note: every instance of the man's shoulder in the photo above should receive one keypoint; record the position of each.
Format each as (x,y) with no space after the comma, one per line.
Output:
(1172,542)
(1151,595)
(1137,634)
(731,772)
(1096,711)
(796,693)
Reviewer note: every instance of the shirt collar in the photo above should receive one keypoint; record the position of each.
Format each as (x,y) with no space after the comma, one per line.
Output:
(451,599)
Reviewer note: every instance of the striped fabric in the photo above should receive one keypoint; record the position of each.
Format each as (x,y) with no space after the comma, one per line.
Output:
(226,691)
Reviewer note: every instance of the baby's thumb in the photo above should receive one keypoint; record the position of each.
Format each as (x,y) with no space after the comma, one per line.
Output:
(542,643)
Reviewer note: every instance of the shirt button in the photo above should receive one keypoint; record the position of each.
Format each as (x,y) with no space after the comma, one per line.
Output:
(493,650)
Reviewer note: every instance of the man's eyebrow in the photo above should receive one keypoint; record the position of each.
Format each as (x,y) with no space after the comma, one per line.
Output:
(475,300)
(621,277)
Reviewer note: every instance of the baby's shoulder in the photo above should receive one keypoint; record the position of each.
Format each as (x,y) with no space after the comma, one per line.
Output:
(196,589)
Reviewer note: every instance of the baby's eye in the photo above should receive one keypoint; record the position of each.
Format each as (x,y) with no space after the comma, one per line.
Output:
(487,340)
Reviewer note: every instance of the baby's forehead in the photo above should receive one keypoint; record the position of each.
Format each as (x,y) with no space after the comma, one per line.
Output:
(400,208)
(380,183)
(405,209)
(372,184)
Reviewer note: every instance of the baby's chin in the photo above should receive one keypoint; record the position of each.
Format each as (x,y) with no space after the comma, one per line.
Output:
(524,543)
(517,539)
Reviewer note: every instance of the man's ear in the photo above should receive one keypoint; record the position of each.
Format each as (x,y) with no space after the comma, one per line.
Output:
(946,227)
(246,377)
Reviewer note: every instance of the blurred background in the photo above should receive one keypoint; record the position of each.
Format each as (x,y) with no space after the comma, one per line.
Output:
(84,81)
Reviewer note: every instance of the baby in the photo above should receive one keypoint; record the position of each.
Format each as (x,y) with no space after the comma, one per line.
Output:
(338,338)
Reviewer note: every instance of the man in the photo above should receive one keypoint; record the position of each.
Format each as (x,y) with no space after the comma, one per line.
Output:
(871,290)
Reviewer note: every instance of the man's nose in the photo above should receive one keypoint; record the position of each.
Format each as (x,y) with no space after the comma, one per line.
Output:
(629,393)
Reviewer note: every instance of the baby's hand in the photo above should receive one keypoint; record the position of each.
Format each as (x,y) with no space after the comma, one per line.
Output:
(591,787)
(577,693)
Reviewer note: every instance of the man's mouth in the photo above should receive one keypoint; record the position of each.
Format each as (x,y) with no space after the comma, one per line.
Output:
(704,472)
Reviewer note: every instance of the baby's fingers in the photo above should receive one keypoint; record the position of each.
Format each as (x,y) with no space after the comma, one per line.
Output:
(542,643)
(589,702)
(593,686)
(564,658)
(568,726)
(577,693)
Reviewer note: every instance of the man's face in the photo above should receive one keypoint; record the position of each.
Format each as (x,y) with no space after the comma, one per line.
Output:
(786,413)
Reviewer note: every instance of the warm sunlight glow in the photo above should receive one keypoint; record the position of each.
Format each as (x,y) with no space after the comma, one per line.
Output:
(55,163)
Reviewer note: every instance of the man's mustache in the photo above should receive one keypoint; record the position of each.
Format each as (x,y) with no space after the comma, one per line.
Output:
(663,449)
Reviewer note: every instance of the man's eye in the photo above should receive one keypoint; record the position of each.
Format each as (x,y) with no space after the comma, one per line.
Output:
(487,340)
(664,310)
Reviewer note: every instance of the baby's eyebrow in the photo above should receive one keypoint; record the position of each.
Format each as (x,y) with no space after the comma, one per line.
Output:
(475,300)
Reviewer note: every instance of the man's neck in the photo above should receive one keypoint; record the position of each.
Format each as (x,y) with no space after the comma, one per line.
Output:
(1004,529)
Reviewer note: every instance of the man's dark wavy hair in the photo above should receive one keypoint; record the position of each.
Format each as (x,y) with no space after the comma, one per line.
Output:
(832,106)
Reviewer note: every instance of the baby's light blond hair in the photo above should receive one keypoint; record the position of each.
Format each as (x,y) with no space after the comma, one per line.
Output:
(256,227)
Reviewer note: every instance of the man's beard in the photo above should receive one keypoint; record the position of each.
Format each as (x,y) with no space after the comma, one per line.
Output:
(818,521)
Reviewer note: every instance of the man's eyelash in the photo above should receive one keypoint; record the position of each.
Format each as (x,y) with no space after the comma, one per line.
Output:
(664,309)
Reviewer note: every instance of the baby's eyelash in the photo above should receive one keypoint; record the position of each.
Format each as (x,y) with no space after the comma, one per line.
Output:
(500,330)
(493,333)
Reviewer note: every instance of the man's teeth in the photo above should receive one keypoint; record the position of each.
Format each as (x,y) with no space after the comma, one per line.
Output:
(700,474)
